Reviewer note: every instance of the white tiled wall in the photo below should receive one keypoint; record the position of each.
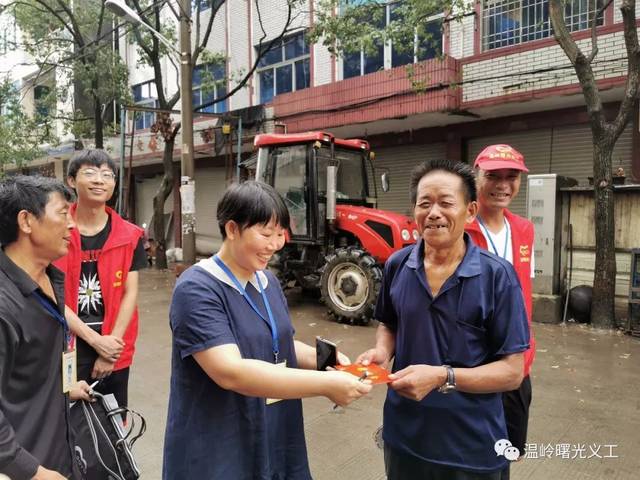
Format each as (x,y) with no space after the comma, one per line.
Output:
(240,52)
(499,76)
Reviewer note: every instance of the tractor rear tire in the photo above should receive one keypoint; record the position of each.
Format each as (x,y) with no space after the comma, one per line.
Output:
(350,283)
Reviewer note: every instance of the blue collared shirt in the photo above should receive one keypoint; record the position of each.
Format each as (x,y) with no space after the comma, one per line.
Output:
(477,317)
(215,433)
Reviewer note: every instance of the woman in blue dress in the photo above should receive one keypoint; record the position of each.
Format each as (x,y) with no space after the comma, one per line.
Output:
(237,374)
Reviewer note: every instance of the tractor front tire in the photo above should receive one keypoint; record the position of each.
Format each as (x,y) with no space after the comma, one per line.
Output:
(350,283)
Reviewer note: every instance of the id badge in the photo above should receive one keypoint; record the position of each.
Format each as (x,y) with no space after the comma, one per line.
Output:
(275,400)
(69,376)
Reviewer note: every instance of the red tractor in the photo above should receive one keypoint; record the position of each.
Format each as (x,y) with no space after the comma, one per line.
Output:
(339,240)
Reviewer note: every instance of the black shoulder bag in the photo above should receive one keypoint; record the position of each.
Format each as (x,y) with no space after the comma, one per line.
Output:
(101,442)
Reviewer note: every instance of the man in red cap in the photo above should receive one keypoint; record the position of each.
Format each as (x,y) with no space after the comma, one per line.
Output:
(509,236)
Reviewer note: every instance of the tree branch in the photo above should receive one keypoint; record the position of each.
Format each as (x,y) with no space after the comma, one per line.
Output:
(628,9)
(581,64)
(205,39)
(594,36)
(78,38)
(73,21)
(261,53)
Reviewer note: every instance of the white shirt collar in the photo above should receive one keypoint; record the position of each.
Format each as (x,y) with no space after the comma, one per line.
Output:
(211,267)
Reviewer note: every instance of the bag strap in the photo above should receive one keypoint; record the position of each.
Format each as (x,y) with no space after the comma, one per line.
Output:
(128,413)
(91,416)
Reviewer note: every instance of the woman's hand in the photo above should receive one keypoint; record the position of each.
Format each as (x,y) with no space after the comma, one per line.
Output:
(344,388)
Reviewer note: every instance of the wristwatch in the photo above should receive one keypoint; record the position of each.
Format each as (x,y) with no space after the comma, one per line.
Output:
(450,384)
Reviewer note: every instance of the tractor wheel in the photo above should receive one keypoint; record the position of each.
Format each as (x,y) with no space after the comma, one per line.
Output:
(349,284)
(277,268)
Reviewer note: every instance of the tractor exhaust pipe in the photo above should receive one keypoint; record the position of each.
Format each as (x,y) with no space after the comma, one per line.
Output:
(332,171)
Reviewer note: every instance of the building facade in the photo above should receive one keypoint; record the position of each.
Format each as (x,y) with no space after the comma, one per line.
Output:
(501,78)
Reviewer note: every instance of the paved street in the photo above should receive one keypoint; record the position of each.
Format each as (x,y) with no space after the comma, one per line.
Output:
(586,388)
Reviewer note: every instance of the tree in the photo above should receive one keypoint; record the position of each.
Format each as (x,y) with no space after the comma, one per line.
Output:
(21,135)
(74,43)
(605,133)
(152,52)
(357,27)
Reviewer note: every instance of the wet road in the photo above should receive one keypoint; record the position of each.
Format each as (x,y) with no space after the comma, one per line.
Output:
(585,418)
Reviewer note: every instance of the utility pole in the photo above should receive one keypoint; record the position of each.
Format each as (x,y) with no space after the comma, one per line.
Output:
(187,181)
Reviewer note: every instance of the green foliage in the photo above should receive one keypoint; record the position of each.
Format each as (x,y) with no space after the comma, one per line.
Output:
(348,26)
(73,40)
(20,135)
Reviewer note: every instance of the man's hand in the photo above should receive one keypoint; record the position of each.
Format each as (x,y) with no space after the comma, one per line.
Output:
(46,474)
(80,391)
(375,355)
(102,368)
(108,347)
(416,381)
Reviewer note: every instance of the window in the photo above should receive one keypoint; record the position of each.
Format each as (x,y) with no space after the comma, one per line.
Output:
(209,83)
(7,35)
(205,4)
(144,94)
(41,100)
(369,60)
(284,68)
(509,22)
(427,43)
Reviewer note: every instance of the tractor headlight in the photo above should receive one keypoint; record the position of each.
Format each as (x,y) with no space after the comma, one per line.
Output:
(416,235)
(406,236)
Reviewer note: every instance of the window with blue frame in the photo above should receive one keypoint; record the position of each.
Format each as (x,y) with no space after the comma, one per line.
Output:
(284,68)
(209,83)
(425,44)
(145,95)
(367,60)
(427,40)
(205,4)
(510,22)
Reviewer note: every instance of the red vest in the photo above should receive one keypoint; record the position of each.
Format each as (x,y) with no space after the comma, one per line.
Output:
(522,243)
(113,268)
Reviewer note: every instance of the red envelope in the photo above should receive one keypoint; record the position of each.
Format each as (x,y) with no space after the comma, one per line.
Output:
(374,373)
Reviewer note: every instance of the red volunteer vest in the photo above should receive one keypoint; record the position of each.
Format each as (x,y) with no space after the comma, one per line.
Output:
(113,268)
(522,243)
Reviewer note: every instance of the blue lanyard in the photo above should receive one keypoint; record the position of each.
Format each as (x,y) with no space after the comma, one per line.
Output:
(488,235)
(270,321)
(55,314)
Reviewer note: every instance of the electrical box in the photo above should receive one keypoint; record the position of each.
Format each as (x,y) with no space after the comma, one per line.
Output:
(543,212)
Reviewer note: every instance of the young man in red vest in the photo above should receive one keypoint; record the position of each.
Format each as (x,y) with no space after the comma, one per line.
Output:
(507,235)
(101,283)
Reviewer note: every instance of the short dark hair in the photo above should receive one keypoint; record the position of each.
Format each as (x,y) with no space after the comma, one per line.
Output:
(251,203)
(30,193)
(462,170)
(93,157)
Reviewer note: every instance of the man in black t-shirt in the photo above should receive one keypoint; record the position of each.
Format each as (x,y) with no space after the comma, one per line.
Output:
(91,310)
(101,284)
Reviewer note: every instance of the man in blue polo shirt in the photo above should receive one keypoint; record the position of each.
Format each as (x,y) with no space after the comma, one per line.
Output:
(453,317)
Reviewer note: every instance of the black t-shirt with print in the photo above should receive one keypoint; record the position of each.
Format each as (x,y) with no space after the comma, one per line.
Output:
(90,301)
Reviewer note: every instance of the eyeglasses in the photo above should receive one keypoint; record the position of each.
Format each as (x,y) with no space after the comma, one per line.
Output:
(106,175)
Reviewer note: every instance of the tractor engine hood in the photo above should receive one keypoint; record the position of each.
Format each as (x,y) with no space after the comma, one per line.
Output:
(380,232)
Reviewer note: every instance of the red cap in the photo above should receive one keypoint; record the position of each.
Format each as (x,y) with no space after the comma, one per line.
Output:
(495,157)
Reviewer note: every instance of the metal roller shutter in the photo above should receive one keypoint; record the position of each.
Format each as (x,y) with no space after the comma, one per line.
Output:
(145,191)
(400,161)
(566,151)
(535,145)
(210,186)
(573,152)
